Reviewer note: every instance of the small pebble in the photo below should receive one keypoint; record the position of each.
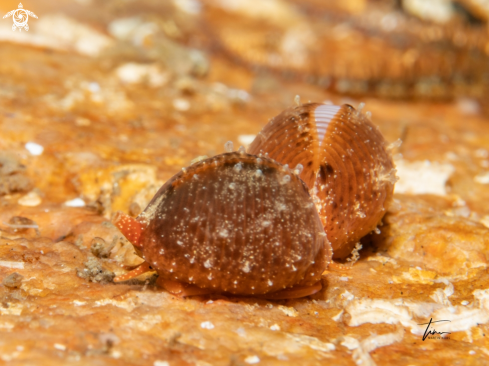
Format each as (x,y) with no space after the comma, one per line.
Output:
(252,360)
(34,149)
(31,199)
(181,104)
(207,325)
(59,346)
(465,302)
(161,363)
(246,139)
(275,327)
(13,280)
(77,202)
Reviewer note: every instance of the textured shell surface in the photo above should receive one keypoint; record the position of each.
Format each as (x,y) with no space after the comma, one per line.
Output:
(346,164)
(236,223)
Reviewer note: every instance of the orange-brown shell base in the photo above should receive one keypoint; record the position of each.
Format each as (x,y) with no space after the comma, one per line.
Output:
(185,290)
(235,223)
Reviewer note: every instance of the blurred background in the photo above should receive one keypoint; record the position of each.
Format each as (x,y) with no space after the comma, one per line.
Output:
(95,85)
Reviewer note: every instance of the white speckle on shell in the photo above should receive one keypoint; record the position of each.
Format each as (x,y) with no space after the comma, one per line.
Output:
(229,146)
(238,167)
(208,263)
(246,267)
(285,179)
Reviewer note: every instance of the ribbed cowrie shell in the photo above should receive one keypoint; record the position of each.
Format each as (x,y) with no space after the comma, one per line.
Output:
(245,226)
(347,167)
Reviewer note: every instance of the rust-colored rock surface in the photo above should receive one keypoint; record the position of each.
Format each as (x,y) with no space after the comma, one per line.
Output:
(101,103)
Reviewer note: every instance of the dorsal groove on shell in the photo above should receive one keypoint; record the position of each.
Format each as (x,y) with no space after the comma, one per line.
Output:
(346,166)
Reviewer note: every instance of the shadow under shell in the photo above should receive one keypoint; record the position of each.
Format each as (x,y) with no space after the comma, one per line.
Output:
(235,223)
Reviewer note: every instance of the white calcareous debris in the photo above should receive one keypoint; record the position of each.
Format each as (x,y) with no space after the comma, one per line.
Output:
(361,354)
(144,323)
(348,296)
(13,309)
(411,314)
(60,346)
(422,177)
(181,104)
(128,304)
(246,140)
(135,73)
(192,7)
(76,202)
(133,29)
(441,296)
(350,342)
(296,44)
(252,360)
(468,106)
(438,11)
(288,311)
(485,221)
(275,327)
(312,342)
(384,260)
(107,93)
(338,316)
(377,311)
(161,363)
(482,153)
(34,149)
(31,199)
(9,264)
(482,178)
(207,325)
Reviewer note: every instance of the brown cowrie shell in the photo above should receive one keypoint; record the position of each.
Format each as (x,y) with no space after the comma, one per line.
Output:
(235,223)
(346,166)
